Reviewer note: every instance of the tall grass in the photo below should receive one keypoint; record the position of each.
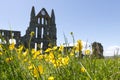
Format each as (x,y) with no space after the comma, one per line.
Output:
(18,63)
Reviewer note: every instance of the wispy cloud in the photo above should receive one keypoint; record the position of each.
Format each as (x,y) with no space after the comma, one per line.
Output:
(112,50)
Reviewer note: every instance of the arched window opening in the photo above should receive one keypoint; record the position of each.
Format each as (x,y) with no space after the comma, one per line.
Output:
(41,46)
(0,41)
(38,20)
(2,33)
(36,34)
(46,22)
(35,46)
(42,20)
(42,32)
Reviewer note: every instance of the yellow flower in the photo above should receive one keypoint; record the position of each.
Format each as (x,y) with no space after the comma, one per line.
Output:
(25,60)
(36,54)
(37,71)
(25,53)
(51,78)
(48,50)
(0,53)
(33,51)
(87,52)
(51,56)
(79,46)
(12,46)
(30,66)
(32,33)
(40,57)
(40,69)
(61,48)
(20,48)
(8,59)
(57,63)
(65,60)
(71,54)
(82,69)
(54,48)
(0,46)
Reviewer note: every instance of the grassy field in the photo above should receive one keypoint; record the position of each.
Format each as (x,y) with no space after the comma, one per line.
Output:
(28,64)
(55,63)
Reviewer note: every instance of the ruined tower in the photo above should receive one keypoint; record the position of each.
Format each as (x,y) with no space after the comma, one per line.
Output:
(44,27)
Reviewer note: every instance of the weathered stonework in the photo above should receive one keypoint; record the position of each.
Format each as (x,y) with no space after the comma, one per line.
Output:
(44,29)
(97,50)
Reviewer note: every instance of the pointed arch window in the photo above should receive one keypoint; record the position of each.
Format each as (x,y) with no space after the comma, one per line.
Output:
(42,21)
(36,32)
(2,33)
(38,20)
(42,32)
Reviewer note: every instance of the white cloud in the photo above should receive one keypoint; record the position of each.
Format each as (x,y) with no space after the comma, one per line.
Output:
(112,50)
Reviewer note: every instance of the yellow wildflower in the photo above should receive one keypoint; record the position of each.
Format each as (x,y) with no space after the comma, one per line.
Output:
(37,71)
(51,78)
(51,56)
(0,46)
(31,66)
(36,54)
(87,52)
(25,60)
(40,57)
(54,48)
(48,50)
(33,51)
(65,60)
(8,59)
(79,46)
(12,46)
(32,33)
(0,53)
(25,53)
(71,54)
(82,69)
(20,48)
(57,63)
(61,48)
(40,69)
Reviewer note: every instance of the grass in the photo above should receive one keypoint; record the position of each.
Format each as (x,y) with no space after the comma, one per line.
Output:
(18,63)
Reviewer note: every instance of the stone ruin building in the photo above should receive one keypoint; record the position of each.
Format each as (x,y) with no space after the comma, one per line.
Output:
(44,27)
(97,50)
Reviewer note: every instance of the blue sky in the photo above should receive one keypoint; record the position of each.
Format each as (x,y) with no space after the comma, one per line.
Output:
(92,20)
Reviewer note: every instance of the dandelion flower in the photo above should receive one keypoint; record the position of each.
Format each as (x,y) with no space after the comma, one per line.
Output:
(0,53)
(48,50)
(79,46)
(12,46)
(82,69)
(55,47)
(51,78)
(61,48)
(8,59)
(87,52)
(38,70)
(32,33)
